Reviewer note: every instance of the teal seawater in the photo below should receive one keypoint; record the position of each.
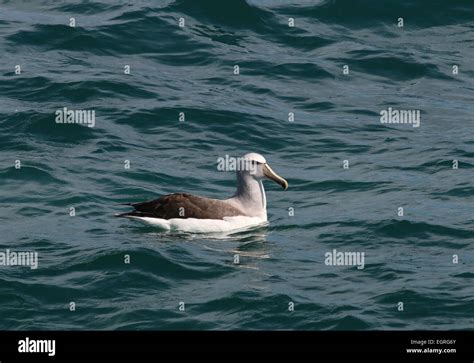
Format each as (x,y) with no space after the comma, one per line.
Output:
(283,69)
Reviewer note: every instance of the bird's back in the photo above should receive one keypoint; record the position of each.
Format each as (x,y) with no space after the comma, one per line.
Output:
(183,205)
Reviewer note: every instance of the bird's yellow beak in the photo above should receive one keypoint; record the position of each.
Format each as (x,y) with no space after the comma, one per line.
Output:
(270,174)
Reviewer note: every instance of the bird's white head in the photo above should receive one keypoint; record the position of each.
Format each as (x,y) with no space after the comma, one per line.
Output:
(259,169)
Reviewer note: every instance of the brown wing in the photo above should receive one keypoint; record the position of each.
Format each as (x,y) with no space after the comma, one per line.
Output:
(182,205)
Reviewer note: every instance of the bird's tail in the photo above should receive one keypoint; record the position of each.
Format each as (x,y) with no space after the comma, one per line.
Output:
(128,214)
(134,213)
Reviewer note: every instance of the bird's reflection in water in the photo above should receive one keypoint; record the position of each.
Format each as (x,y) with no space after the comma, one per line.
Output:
(243,248)
(240,247)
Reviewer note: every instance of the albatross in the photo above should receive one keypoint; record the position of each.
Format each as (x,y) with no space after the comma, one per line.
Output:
(193,213)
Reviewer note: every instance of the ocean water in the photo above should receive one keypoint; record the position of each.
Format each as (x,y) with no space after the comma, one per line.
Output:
(422,259)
